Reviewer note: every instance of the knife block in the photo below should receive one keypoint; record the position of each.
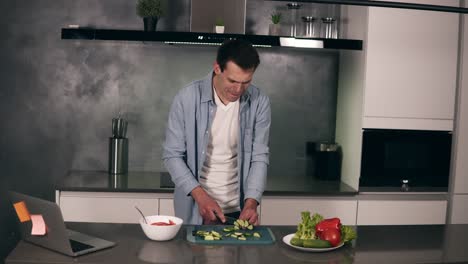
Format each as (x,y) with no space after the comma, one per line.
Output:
(118,155)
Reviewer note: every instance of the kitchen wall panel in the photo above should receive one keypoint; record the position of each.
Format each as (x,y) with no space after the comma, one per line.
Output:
(57,97)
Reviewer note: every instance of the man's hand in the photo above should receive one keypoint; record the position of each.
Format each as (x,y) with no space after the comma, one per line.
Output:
(207,207)
(249,212)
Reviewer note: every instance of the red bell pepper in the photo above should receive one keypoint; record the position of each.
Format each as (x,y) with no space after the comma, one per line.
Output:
(331,223)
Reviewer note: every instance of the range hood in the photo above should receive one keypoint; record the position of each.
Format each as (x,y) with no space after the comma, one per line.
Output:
(208,39)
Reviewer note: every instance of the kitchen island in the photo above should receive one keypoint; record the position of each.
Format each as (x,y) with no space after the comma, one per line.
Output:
(375,244)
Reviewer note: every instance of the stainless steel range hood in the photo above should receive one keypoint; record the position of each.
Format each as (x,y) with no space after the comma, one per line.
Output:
(207,39)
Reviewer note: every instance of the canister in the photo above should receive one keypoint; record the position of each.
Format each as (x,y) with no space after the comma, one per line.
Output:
(118,155)
(329,28)
(293,9)
(309,28)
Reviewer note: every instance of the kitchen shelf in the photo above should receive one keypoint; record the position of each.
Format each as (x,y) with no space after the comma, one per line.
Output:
(208,39)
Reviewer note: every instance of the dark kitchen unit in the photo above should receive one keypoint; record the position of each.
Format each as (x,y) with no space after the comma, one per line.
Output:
(324,160)
(405,160)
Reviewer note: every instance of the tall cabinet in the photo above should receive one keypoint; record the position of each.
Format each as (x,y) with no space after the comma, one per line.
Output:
(405,78)
(459,183)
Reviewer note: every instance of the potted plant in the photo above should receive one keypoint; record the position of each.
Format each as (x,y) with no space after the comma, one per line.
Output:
(150,11)
(275,26)
(219,26)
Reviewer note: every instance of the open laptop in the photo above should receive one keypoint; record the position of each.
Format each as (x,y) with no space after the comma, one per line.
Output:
(58,237)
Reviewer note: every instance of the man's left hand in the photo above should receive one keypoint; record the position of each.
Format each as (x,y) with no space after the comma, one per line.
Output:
(249,212)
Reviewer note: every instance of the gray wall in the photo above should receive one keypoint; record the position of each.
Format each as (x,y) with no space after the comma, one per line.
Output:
(57,97)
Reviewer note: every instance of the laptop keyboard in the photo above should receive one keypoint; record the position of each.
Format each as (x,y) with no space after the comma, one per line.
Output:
(78,246)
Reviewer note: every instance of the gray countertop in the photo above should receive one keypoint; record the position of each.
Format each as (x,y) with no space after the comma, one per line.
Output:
(375,244)
(101,181)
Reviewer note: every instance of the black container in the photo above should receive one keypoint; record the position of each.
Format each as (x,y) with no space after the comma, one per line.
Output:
(310,159)
(328,162)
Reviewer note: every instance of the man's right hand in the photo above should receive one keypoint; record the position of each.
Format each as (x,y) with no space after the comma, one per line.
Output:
(207,207)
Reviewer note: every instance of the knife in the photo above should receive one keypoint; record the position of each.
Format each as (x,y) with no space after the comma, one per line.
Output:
(229,220)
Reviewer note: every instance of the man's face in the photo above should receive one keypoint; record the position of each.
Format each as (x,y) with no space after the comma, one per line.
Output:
(231,83)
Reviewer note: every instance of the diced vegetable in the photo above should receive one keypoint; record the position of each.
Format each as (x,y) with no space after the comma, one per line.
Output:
(236,231)
(242,224)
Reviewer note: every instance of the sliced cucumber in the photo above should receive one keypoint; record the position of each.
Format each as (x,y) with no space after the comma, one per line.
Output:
(209,237)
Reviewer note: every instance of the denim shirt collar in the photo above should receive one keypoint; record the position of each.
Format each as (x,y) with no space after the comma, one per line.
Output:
(207,91)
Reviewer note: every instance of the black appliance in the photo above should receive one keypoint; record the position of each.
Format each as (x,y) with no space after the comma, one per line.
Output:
(405,158)
(324,160)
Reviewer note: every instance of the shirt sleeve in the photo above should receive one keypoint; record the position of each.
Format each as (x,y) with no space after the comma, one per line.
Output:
(174,154)
(256,180)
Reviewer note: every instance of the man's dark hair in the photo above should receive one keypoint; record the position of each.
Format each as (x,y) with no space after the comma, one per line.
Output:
(240,52)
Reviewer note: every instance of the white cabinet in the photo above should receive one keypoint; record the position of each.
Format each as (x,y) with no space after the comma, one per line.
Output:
(397,209)
(401,210)
(166,207)
(287,210)
(411,68)
(459,209)
(107,207)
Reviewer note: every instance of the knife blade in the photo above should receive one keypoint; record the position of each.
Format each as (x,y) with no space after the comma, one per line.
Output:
(229,220)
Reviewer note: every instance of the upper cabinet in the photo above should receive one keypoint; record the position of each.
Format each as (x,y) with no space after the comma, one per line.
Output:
(411,68)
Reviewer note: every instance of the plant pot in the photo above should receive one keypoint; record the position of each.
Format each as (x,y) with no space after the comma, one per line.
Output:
(150,23)
(274,30)
(219,29)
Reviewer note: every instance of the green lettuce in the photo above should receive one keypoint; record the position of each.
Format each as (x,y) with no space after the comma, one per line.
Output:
(347,233)
(306,228)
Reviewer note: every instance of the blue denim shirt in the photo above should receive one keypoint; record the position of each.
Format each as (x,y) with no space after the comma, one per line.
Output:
(187,135)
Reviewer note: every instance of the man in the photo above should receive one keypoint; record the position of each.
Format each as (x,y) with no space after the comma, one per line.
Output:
(216,146)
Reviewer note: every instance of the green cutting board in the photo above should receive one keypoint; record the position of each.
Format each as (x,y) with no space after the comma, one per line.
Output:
(266,236)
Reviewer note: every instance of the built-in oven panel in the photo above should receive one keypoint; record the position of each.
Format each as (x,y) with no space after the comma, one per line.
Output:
(405,158)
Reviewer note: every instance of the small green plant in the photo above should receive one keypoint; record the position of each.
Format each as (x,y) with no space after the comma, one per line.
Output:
(219,22)
(276,18)
(149,8)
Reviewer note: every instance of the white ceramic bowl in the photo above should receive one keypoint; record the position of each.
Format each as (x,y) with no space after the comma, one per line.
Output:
(160,233)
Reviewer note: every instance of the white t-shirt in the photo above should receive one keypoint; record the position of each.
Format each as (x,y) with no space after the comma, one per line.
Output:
(219,174)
